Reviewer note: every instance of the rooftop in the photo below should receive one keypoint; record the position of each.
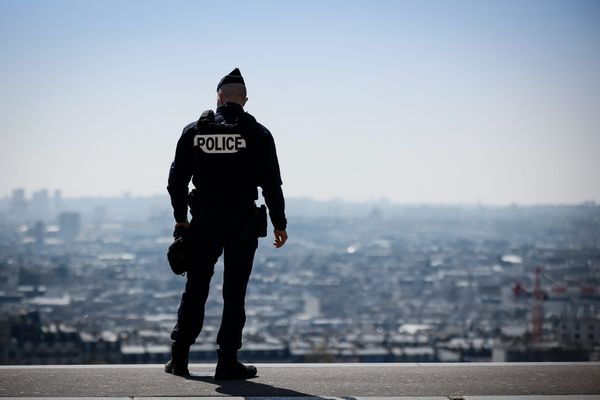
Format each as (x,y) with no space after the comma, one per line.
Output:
(432,381)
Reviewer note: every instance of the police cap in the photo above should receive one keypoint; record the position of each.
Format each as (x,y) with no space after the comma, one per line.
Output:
(234,76)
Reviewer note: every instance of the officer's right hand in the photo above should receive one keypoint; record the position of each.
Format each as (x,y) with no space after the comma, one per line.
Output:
(280,238)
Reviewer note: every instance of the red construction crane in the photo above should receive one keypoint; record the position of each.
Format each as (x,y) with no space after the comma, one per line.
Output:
(537,311)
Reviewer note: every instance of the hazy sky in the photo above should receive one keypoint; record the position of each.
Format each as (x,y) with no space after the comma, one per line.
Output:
(414,101)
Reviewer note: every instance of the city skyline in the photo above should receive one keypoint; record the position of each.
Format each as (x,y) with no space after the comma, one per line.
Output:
(426,285)
(415,102)
(56,194)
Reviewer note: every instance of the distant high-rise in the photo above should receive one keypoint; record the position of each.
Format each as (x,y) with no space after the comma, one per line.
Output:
(39,231)
(40,203)
(57,201)
(70,224)
(18,204)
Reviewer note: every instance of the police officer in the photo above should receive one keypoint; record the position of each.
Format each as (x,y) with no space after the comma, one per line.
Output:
(227,155)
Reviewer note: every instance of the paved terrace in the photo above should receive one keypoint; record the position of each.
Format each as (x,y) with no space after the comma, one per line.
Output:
(433,381)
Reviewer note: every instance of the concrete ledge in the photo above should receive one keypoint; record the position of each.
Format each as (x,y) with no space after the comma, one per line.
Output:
(468,381)
(533,397)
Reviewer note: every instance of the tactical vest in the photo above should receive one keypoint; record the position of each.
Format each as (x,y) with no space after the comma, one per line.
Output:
(225,159)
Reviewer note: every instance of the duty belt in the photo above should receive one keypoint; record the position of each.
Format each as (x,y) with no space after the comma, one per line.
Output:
(195,201)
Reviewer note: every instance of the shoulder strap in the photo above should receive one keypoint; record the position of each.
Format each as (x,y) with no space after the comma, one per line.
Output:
(207,117)
(246,120)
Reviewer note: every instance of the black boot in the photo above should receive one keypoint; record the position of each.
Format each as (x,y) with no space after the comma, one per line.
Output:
(229,367)
(178,364)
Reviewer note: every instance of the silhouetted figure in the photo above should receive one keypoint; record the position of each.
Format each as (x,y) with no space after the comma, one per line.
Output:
(227,155)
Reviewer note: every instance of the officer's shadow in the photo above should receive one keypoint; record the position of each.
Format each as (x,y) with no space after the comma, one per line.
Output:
(248,388)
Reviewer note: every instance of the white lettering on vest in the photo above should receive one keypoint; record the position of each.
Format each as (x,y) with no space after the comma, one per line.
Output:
(220,144)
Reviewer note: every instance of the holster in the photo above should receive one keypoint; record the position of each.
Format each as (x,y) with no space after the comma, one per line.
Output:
(260,220)
(258,217)
(193,201)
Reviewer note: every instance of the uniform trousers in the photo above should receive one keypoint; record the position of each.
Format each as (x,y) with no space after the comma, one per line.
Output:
(215,230)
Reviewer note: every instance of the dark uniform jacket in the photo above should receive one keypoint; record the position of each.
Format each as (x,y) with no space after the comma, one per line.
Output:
(230,174)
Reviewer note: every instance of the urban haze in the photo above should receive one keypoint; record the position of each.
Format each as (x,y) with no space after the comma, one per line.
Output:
(85,280)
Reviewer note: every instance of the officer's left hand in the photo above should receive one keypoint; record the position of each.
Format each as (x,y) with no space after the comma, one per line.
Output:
(280,238)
